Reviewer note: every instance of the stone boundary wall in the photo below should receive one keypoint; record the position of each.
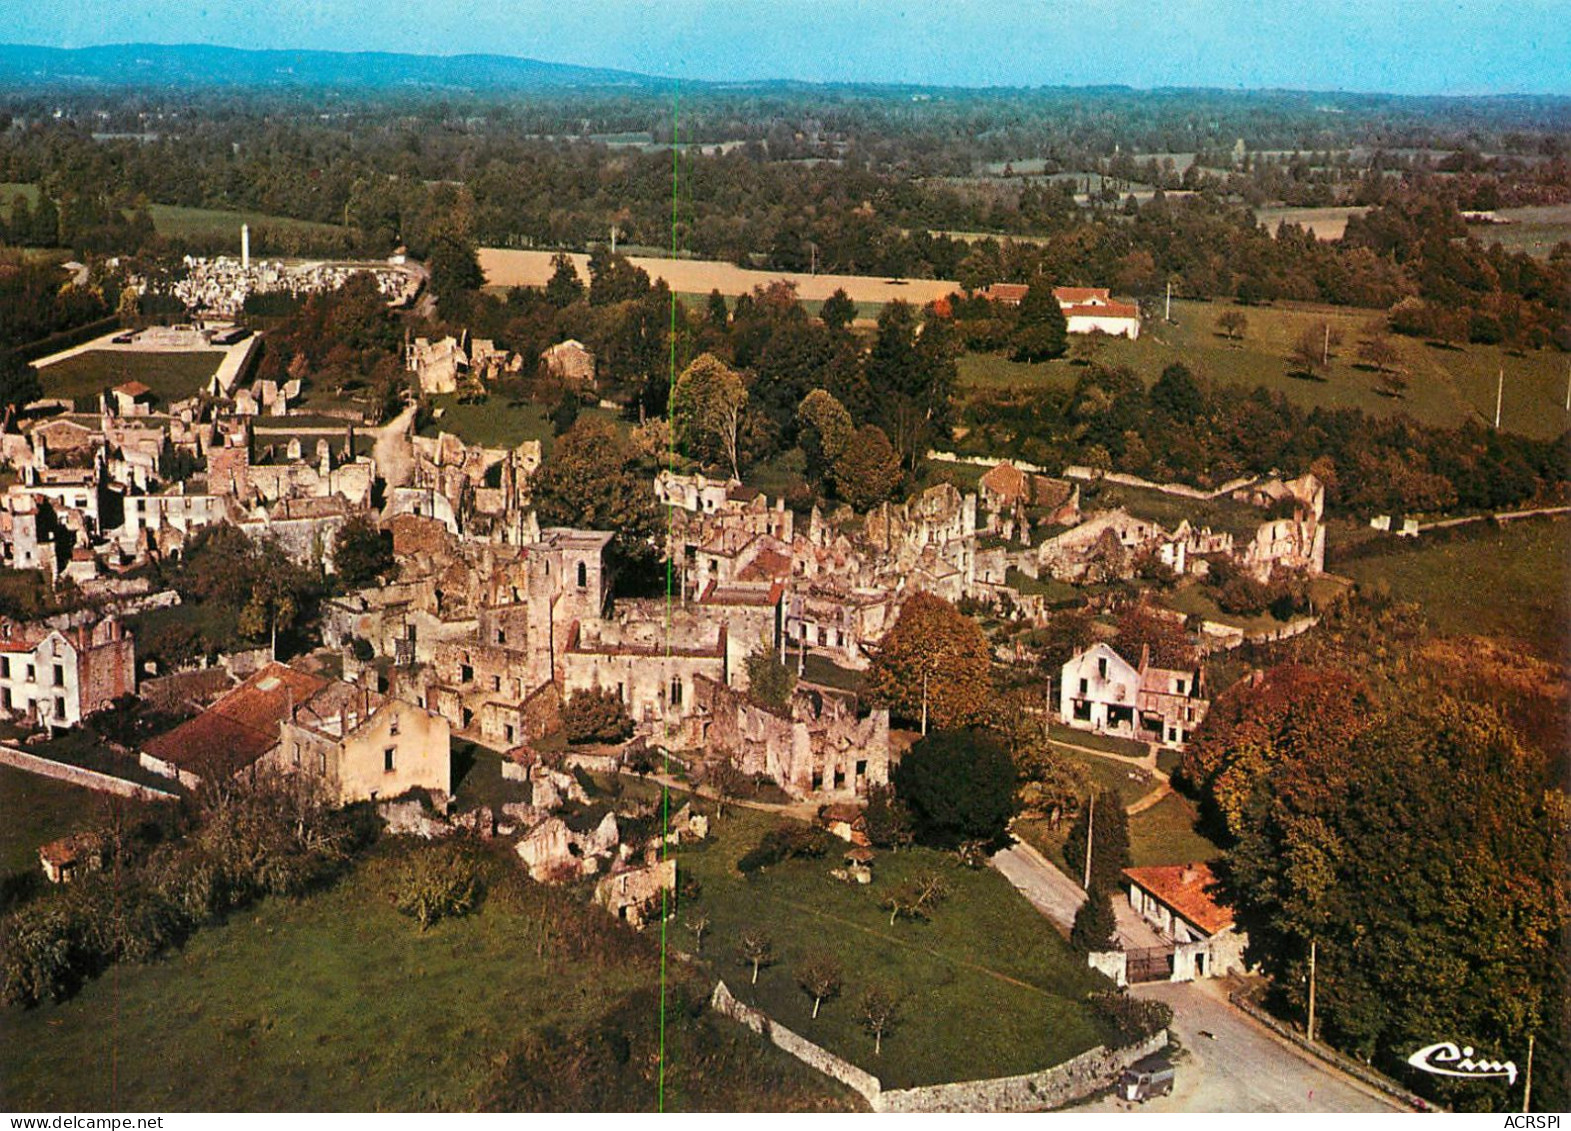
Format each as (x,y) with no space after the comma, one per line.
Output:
(1503,517)
(985,461)
(76,775)
(864,1083)
(1179,489)
(1356,1069)
(1054,1087)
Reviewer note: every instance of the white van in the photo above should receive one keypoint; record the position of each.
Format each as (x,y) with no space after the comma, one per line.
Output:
(1143,1079)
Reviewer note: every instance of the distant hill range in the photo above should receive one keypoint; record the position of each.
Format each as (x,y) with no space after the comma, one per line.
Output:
(194,65)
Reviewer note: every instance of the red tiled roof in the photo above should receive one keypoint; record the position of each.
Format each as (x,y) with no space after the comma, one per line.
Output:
(1071,296)
(716,594)
(133,389)
(1184,888)
(1006,292)
(242,726)
(1102,310)
(1006,480)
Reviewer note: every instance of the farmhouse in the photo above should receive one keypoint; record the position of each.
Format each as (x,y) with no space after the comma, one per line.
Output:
(357,744)
(1090,310)
(59,676)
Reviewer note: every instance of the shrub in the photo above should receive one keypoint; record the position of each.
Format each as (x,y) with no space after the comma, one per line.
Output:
(596,715)
(782,842)
(1129,1020)
(1095,923)
(46,952)
(441,882)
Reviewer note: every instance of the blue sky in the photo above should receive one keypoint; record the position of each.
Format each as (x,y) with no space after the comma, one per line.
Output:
(1400,46)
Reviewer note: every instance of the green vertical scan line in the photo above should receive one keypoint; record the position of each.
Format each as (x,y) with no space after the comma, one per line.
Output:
(665,790)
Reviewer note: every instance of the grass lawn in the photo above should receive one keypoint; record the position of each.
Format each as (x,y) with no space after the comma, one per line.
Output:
(38,810)
(1220,514)
(1509,581)
(1446,386)
(1166,834)
(334,1002)
(81,747)
(1127,747)
(1193,598)
(1535,229)
(819,668)
(499,423)
(1163,834)
(987,988)
(171,376)
(175,220)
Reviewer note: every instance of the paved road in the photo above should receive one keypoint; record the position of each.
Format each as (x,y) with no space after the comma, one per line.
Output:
(1058,897)
(1049,890)
(1242,1066)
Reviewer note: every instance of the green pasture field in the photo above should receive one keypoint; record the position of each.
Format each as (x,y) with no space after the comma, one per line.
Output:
(177,220)
(334,1002)
(38,810)
(1511,581)
(1447,385)
(1535,229)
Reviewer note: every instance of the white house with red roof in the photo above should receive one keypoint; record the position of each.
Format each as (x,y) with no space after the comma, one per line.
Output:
(1090,310)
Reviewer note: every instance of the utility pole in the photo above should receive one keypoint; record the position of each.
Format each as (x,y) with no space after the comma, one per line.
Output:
(924,703)
(1325,350)
(1311,1029)
(1500,389)
(1167,310)
(1568,386)
(1090,838)
(613,239)
(1527,1087)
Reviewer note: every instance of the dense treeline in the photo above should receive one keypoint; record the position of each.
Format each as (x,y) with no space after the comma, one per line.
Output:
(1180,429)
(854,185)
(1398,804)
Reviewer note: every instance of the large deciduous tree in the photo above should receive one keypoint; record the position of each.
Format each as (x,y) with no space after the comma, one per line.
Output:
(362,552)
(959,785)
(1430,873)
(593,480)
(867,471)
(706,409)
(19,385)
(934,664)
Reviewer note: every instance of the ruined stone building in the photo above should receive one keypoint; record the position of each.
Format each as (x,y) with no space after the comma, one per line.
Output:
(820,748)
(1103,692)
(56,677)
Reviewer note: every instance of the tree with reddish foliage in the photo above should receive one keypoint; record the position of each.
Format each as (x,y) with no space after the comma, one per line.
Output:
(1141,626)
(935,664)
(1283,715)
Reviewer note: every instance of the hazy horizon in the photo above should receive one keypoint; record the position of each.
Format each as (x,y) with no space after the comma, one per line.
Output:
(1409,47)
